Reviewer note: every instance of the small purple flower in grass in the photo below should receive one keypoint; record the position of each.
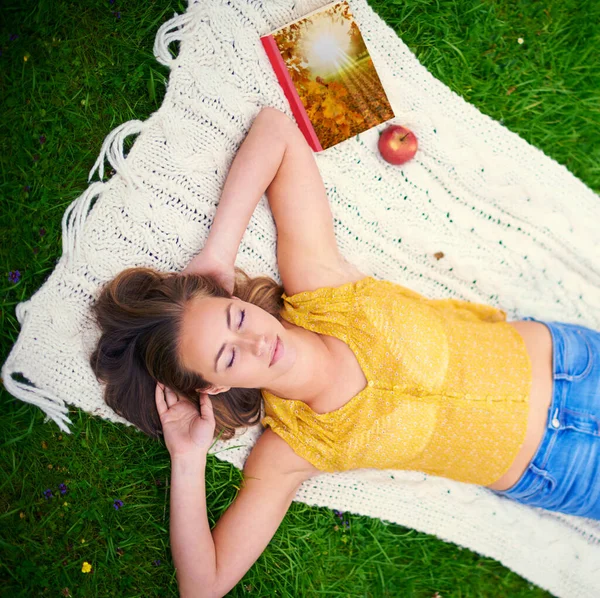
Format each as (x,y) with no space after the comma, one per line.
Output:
(43,139)
(14,37)
(346,524)
(36,157)
(42,232)
(338,514)
(117,504)
(48,493)
(156,563)
(117,14)
(111,1)
(26,188)
(14,276)
(62,488)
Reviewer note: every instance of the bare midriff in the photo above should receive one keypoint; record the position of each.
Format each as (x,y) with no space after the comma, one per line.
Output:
(538,342)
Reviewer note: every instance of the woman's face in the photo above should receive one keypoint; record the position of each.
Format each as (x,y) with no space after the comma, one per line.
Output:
(230,343)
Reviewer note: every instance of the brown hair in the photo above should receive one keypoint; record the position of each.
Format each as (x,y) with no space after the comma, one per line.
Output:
(139,313)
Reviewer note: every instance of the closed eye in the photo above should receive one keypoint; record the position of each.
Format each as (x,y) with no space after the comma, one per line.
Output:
(239,326)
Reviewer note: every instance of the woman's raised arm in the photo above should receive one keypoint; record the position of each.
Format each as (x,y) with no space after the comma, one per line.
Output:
(209,563)
(254,167)
(276,159)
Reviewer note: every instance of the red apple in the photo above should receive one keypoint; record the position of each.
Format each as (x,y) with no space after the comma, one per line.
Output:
(397,144)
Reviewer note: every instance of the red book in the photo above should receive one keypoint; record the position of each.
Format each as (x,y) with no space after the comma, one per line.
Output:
(327,74)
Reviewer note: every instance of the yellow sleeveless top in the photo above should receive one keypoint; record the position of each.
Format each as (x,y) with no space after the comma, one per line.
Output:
(448,384)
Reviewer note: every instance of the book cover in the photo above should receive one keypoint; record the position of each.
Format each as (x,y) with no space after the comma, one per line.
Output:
(328,76)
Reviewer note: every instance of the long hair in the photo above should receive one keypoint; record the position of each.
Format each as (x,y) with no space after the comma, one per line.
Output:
(140,315)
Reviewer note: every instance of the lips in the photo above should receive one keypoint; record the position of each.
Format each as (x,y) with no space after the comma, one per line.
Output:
(274,350)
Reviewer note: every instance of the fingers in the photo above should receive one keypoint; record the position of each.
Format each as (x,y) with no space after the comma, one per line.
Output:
(206,408)
(164,398)
(159,398)
(170,397)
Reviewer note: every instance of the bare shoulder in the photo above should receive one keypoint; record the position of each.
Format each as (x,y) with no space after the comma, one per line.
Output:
(316,276)
(271,454)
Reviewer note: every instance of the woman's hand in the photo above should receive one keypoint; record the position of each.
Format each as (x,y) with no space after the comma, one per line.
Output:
(209,264)
(186,432)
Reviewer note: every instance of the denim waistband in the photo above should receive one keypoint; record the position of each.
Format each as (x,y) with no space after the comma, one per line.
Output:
(541,456)
(558,398)
(562,475)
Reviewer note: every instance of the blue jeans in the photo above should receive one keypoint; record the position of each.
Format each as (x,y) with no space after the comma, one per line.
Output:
(564,474)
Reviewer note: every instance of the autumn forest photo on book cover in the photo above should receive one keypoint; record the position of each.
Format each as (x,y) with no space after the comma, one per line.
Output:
(333,73)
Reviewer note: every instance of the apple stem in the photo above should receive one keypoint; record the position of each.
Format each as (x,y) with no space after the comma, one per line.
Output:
(403,138)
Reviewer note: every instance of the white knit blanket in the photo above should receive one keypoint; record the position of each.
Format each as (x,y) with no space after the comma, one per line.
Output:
(517,230)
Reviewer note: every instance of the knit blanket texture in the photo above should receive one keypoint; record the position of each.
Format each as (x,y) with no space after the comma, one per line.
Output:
(516,229)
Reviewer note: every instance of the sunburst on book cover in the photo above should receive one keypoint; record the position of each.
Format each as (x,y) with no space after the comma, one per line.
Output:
(329,64)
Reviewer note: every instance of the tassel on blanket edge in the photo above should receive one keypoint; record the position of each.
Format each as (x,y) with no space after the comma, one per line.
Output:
(164,38)
(59,423)
(53,407)
(112,149)
(74,218)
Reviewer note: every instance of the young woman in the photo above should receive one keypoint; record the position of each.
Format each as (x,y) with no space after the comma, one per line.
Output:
(354,372)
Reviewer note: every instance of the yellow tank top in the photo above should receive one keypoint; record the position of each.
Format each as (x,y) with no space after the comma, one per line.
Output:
(448,384)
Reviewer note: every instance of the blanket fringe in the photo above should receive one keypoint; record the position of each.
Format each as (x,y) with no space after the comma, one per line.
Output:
(54,407)
(165,37)
(74,217)
(112,149)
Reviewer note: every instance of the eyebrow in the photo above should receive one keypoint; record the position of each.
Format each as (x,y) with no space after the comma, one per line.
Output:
(228,314)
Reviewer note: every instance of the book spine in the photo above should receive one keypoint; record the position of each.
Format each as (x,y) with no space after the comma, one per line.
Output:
(289,89)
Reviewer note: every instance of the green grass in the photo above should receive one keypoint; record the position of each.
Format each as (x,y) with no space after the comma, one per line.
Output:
(88,71)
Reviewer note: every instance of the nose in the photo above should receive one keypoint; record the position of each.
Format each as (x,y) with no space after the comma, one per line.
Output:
(262,346)
(258,344)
